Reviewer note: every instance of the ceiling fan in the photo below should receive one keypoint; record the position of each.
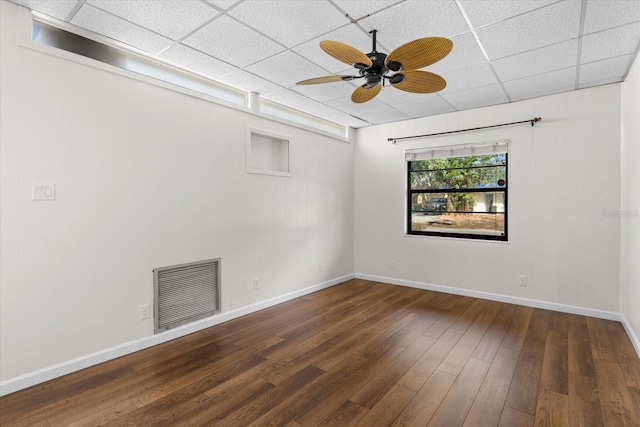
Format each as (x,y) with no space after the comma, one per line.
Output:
(375,66)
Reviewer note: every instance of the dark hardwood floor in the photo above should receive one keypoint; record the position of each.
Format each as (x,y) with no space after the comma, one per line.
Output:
(361,353)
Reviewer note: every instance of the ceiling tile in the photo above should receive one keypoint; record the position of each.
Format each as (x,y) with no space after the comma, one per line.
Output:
(350,34)
(487,12)
(392,96)
(326,92)
(166,17)
(602,15)
(286,69)
(289,22)
(608,44)
(543,60)
(468,78)
(322,110)
(118,29)
(609,69)
(414,19)
(465,52)
(290,98)
(223,4)
(478,97)
(251,82)
(348,120)
(198,61)
(428,105)
(541,84)
(232,42)
(542,27)
(350,107)
(58,9)
(357,9)
(381,115)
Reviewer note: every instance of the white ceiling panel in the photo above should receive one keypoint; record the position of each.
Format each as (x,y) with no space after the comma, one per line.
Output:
(223,4)
(252,82)
(541,84)
(349,120)
(358,9)
(392,96)
(543,60)
(469,78)
(385,114)
(608,44)
(428,105)
(290,98)
(607,69)
(542,27)
(602,15)
(286,69)
(478,97)
(345,105)
(118,29)
(465,52)
(198,61)
(58,9)
(414,19)
(166,17)
(232,42)
(289,22)
(267,45)
(326,92)
(487,12)
(350,34)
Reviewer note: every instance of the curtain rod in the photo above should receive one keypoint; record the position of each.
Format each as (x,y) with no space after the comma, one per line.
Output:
(532,121)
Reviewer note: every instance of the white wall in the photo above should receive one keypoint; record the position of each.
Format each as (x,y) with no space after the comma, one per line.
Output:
(563,173)
(630,206)
(145,177)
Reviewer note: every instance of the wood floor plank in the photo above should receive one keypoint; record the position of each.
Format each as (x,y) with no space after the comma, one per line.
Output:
(454,408)
(584,401)
(514,418)
(615,399)
(421,408)
(601,345)
(381,383)
(553,409)
(579,347)
(488,404)
(523,393)
(360,352)
(387,409)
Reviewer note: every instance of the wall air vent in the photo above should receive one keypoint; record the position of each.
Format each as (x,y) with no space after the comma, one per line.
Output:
(185,293)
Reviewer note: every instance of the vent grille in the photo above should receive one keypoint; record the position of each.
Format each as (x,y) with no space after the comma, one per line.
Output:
(185,293)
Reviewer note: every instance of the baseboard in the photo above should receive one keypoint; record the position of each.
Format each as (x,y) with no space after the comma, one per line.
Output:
(632,335)
(37,377)
(572,309)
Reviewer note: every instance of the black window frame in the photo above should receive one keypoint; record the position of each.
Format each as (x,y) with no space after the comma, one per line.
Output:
(476,236)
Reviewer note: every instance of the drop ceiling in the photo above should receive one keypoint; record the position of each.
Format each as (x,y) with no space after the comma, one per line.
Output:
(504,50)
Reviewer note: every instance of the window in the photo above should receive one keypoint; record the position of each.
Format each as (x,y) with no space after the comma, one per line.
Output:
(458,191)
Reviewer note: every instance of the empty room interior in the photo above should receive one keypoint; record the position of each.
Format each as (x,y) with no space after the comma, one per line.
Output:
(320,212)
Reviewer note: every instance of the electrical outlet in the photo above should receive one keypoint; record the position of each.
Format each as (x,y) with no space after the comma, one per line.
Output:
(256,283)
(392,265)
(321,268)
(144,311)
(522,280)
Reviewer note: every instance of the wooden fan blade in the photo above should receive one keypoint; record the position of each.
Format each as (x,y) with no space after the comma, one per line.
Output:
(420,53)
(361,94)
(418,81)
(345,53)
(325,79)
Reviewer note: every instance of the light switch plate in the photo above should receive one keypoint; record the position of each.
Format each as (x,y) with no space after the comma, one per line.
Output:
(43,191)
